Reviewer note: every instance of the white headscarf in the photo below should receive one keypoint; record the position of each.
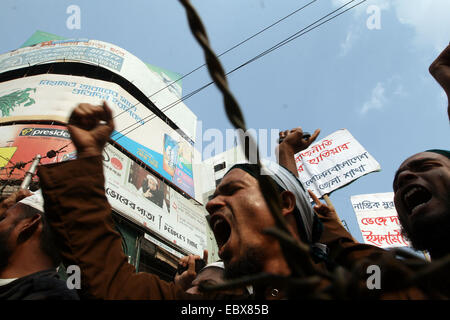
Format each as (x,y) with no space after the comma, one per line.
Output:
(289,182)
(35,201)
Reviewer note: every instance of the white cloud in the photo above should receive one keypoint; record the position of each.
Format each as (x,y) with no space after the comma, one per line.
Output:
(347,44)
(361,9)
(354,32)
(383,93)
(442,101)
(377,100)
(429,18)
(400,91)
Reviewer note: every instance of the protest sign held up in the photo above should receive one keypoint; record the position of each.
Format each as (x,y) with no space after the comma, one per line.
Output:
(333,162)
(378,220)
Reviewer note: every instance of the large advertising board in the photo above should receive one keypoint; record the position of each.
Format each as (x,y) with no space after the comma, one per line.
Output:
(145,199)
(53,97)
(21,143)
(153,82)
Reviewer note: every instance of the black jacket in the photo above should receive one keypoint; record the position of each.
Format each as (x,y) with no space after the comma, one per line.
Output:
(42,285)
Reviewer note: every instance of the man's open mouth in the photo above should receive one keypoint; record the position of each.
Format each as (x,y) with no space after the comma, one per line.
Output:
(221,229)
(416,196)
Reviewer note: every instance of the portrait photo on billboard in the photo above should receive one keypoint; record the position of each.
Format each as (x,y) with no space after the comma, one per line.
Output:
(147,184)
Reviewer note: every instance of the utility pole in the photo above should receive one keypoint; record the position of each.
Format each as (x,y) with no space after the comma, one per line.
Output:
(30,173)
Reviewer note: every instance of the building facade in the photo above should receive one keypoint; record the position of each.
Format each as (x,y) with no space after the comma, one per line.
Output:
(149,163)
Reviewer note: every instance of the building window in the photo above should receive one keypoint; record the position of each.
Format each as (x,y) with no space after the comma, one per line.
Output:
(153,259)
(218,181)
(219,166)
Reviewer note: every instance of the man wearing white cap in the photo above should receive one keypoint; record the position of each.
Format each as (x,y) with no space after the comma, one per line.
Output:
(77,208)
(28,257)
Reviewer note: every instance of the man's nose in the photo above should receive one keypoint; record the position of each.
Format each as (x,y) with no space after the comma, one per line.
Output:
(214,204)
(405,177)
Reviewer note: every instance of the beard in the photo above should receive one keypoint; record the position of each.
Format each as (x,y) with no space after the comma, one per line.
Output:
(430,234)
(5,250)
(251,263)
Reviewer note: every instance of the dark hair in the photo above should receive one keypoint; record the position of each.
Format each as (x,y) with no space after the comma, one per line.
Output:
(442,152)
(47,241)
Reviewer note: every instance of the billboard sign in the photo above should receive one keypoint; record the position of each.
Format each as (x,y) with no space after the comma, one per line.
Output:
(53,97)
(21,143)
(154,82)
(145,199)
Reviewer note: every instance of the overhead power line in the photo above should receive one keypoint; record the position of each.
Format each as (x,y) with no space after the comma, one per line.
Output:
(296,35)
(203,65)
(225,52)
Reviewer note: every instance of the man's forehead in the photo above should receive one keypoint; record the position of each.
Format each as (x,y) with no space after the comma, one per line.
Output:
(14,210)
(17,207)
(233,176)
(423,156)
(237,175)
(419,158)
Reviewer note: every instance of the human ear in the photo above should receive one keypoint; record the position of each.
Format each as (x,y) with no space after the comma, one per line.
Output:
(28,227)
(287,203)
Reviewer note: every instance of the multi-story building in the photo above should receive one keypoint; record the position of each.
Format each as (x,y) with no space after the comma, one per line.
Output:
(149,164)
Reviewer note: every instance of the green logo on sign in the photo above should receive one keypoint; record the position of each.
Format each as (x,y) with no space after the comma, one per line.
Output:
(16,99)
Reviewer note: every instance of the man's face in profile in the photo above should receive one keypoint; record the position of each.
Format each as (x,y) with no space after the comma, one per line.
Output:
(152,183)
(422,198)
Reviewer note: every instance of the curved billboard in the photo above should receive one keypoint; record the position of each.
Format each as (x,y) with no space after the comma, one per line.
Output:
(137,194)
(53,97)
(116,60)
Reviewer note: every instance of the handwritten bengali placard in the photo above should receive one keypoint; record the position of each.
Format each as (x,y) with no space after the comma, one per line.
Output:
(378,220)
(333,162)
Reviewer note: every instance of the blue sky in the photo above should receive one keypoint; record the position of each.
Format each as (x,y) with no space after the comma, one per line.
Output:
(374,82)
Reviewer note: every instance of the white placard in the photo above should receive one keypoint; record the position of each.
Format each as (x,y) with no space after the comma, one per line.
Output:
(333,162)
(378,220)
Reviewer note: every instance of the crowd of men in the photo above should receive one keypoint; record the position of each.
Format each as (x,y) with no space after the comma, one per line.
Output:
(267,254)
